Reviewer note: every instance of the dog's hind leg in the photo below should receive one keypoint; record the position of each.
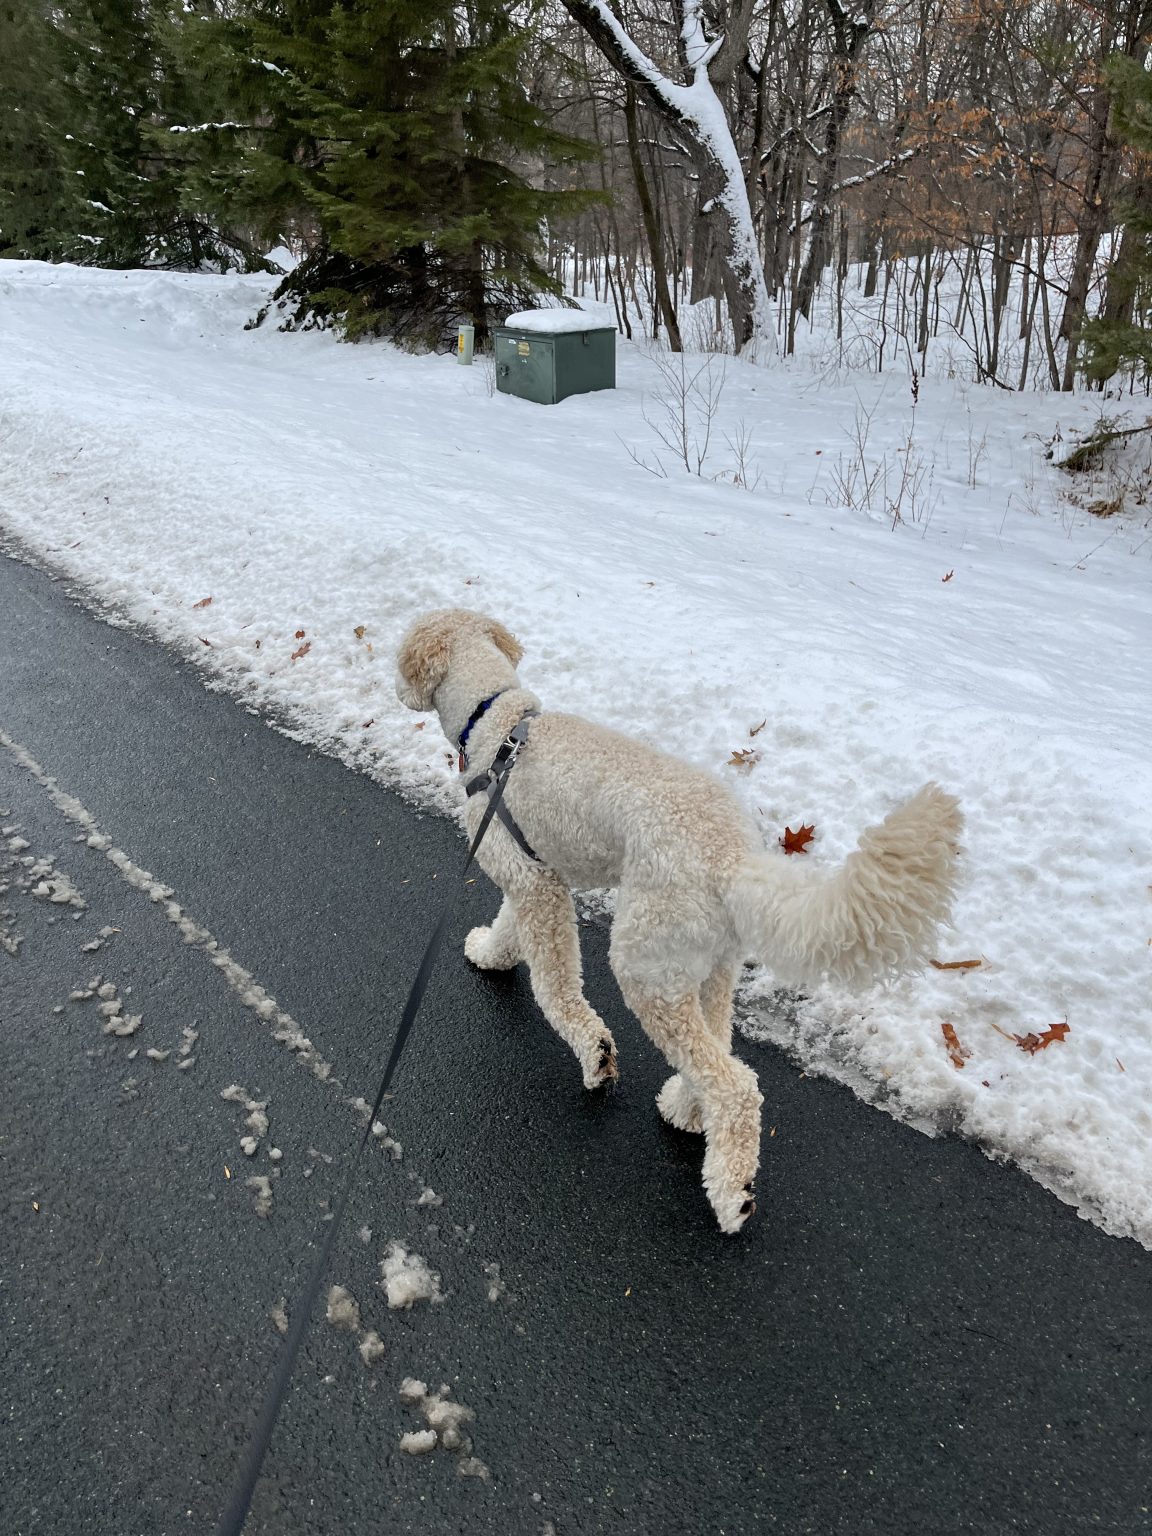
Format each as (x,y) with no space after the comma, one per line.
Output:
(497,948)
(728,1095)
(678,1100)
(549,941)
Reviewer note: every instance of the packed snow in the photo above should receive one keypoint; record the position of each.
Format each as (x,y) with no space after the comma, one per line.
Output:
(445,1420)
(279,507)
(407,1279)
(560,322)
(343,1310)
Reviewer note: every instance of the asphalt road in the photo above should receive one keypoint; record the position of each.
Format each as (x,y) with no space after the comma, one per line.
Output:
(907,1339)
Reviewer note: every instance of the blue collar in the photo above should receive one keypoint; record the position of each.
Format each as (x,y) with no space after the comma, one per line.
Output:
(477,713)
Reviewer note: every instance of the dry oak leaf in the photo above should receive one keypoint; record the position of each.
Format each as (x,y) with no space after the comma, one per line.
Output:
(302,650)
(756,729)
(948,577)
(359,631)
(1033,1043)
(958,1054)
(299,634)
(955,965)
(744,757)
(797,842)
(203,603)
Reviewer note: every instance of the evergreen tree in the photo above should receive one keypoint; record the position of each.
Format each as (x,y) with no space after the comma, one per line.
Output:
(1122,333)
(385,138)
(90,157)
(44,208)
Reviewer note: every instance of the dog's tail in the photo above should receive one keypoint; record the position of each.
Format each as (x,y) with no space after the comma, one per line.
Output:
(876,914)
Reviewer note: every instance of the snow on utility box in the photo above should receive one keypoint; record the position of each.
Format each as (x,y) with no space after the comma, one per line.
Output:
(548,354)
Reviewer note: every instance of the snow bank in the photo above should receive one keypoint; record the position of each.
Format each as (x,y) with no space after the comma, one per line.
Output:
(280,507)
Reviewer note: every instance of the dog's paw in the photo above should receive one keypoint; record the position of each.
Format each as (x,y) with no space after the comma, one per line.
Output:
(679,1106)
(732,1205)
(485,955)
(732,1154)
(599,1062)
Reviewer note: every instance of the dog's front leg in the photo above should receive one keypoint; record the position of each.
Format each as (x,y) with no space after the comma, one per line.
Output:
(497,948)
(549,941)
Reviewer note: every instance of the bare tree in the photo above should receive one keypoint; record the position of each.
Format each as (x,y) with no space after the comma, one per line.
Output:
(692,109)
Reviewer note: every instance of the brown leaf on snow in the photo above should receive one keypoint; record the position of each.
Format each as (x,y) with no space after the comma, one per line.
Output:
(955,965)
(797,842)
(948,577)
(203,603)
(744,757)
(359,631)
(204,642)
(302,650)
(756,729)
(1033,1043)
(958,1054)
(299,634)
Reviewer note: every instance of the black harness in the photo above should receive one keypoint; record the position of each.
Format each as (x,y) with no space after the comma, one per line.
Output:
(494,776)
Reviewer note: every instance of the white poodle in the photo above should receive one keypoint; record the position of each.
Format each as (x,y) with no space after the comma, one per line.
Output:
(697,892)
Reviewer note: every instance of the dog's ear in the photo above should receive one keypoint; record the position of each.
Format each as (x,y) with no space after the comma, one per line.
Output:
(505,641)
(422,661)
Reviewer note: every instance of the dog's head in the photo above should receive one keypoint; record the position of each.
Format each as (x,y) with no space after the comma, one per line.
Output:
(437,640)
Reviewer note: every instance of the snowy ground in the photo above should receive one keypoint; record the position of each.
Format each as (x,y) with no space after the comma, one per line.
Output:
(279,507)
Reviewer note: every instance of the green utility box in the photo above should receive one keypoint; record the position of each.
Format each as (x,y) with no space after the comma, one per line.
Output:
(548,358)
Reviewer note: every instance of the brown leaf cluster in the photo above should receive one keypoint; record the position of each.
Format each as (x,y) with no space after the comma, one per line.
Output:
(1041,1042)
(1031,1043)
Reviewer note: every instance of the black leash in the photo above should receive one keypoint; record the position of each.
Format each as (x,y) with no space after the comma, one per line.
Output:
(232,1521)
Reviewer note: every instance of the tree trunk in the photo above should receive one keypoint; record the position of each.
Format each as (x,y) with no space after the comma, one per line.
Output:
(1123,30)
(696,115)
(664,306)
(849,34)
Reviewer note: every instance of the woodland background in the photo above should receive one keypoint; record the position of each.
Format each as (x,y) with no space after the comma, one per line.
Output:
(715,171)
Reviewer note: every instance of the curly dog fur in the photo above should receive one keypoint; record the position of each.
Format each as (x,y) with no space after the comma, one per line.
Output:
(697,892)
